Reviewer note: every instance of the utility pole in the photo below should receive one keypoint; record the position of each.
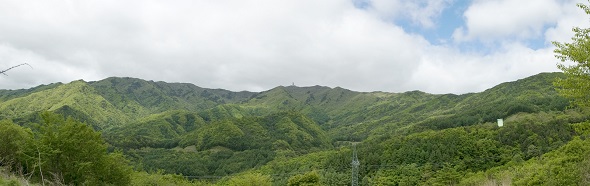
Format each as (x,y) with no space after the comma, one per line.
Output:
(355,166)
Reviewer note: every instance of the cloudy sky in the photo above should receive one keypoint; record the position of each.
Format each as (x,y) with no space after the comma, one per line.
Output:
(437,46)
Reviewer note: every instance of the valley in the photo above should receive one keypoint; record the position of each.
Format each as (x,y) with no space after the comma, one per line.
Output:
(179,133)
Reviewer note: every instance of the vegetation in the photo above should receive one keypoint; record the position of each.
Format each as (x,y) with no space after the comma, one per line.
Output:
(289,135)
(576,84)
(62,150)
(126,131)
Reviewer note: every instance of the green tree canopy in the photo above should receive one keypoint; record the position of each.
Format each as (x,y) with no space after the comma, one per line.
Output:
(250,179)
(13,140)
(74,153)
(308,179)
(576,85)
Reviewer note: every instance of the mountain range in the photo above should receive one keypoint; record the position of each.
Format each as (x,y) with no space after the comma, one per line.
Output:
(114,101)
(345,114)
(185,129)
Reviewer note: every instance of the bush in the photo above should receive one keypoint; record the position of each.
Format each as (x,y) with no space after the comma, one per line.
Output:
(13,139)
(73,153)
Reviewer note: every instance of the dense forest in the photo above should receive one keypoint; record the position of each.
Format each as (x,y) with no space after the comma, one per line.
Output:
(121,131)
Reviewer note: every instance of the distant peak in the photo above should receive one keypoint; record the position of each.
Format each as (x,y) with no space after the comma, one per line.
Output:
(80,81)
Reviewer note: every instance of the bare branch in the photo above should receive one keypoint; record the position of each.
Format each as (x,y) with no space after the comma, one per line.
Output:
(3,72)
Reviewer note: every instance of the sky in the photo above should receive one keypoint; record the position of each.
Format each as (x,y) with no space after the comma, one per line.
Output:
(435,46)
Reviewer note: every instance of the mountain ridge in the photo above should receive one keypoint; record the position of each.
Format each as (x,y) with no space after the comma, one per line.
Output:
(4,92)
(138,98)
(184,129)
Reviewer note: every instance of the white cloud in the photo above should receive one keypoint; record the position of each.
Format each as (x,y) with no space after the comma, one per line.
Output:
(491,20)
(42,70)
(257,45)
(421,12)
(221,44)
(571,16)
(448,70)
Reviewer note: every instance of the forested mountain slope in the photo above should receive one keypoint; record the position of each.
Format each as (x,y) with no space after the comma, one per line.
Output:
(130,98)
(140,97)
(75,97)
(285,131)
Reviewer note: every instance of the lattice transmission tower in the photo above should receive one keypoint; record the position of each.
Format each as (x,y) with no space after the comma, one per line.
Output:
(355,166)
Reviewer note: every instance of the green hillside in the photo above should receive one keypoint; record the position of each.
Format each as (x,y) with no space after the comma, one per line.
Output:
(289,134)
(77,98)
(140,97)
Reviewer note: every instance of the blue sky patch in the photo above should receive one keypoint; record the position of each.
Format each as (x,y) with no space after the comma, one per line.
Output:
(445,24)
(361,4)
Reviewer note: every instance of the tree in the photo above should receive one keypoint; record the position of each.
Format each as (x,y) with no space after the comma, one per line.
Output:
(250,179)
(13,140)
(576,85)
(73,153)
(308,179)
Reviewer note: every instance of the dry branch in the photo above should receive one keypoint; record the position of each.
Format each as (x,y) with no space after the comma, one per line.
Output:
(3,72)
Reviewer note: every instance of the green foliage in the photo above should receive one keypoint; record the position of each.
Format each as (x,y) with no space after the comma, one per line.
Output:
(11,94)
(567,165)
(223,134)
(576,85)
(411,138)
(158,178)
(248,179)
(214,162)
(157,131)
(75,154)
(13,142)
(296,129)
(444,156)
(76,96)
(458,146)
(282,168)
(405,175)
(528,95)
(222,112)
(448,175)
(536,134)
(308,179)
(331,177)
(141,98)
(9,182)
(14,178)
(582,129)
(285,130)
(561,167)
